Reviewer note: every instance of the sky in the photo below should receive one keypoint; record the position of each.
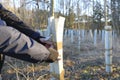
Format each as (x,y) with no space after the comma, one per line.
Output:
(57,6)
(31,5)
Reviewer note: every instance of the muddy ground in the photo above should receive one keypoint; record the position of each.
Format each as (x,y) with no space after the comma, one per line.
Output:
(84,63)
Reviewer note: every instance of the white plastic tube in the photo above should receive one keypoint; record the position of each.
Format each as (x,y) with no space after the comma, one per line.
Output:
(57,31)
(108,48)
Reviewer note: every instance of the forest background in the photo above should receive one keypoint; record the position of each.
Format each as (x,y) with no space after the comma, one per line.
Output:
(86,14)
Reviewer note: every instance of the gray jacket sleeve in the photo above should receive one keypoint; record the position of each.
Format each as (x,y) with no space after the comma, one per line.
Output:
(13,41)
(3,23)
(12,20)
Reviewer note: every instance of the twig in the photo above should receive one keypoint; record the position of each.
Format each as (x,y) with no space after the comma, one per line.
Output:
(15,69)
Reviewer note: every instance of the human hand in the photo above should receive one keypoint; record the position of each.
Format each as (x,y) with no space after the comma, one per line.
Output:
(54,55)
(46,42)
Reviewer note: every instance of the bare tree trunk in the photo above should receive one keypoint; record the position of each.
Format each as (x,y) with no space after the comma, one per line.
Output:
(52,7)
(14,6)
(105,8)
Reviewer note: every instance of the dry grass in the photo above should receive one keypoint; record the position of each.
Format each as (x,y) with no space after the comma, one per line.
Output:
(86,63)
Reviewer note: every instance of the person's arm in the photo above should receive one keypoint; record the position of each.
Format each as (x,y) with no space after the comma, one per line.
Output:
(13,21)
